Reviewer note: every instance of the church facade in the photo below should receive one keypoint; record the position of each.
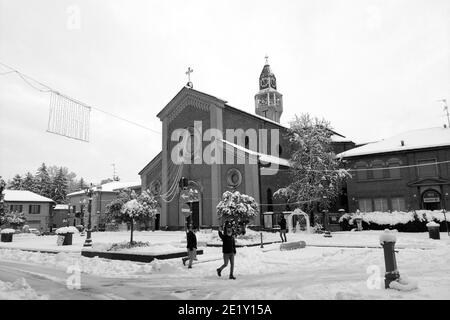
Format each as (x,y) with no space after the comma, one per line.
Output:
(225,149)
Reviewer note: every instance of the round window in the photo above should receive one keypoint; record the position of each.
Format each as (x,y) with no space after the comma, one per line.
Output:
(234,177)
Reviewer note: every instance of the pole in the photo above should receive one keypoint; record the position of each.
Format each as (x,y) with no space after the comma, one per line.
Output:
(88,241)
(387,240)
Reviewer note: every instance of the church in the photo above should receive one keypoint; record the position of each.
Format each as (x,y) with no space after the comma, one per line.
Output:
(227,149)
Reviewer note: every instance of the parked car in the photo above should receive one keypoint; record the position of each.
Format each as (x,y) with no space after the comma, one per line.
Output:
(35,231)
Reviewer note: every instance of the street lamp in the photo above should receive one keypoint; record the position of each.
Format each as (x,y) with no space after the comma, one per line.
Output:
(88,242)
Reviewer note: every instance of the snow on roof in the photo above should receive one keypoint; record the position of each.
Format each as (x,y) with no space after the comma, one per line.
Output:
(110,187)
(262,156)
(61,207)
(415,139)
(24,196)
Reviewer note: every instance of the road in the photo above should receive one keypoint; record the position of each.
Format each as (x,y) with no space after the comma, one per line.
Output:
(52,282)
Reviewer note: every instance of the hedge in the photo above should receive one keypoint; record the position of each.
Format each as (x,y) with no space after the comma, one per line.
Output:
(413,221)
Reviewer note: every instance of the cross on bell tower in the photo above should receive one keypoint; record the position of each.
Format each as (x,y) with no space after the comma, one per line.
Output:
(189,83)
(268,101)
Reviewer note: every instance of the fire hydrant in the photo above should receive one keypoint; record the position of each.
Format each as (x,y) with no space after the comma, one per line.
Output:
(387,240)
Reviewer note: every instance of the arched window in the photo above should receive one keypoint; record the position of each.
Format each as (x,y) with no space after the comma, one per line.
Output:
(361,170)
(394,173)
(377,169)
(246,142)
(269,200)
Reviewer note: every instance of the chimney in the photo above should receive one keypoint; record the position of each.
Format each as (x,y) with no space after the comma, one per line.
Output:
(403,143)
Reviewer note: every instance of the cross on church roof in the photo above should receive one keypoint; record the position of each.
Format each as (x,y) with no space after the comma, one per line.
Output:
(188,72)
(267,59)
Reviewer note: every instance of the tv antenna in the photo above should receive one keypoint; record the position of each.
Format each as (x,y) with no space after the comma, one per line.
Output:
(446,110)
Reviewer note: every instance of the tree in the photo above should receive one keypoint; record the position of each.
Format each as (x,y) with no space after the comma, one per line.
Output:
(136,209)
(82,184)
(59,187)
(72,184)
(43,181)
(315,170)
(236,208)
(3,209)
(29,183)
(16,183)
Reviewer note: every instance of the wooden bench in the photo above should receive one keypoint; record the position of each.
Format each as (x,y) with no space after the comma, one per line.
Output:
(292,245)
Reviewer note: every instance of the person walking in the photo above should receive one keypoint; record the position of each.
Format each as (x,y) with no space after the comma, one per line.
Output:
(191,245)
(228,250)
(282,224)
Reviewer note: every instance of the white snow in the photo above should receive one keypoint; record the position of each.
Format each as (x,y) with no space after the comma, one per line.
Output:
(311,273)
(262,156)
(65,230)
(8,231)
(19,290)
(396,217)
(111,186)
(388,236)
(432,224)
(415,139)
(23,196)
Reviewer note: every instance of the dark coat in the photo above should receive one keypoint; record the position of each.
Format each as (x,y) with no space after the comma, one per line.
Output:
(191,240)
(229,244)
(282,223)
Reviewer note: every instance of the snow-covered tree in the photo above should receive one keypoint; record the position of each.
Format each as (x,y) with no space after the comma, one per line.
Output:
(82,184)
(16,183)
(236,208)
(29,183)
(43,181)
(59,187)
(315,171)
(135,209)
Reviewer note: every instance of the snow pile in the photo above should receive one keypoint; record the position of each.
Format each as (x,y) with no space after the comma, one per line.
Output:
(388,236)
(8,231)
(19,290)
(65,230)
(432,224)
(404,284)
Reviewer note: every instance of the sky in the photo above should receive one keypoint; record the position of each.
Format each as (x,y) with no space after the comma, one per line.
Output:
(372,68)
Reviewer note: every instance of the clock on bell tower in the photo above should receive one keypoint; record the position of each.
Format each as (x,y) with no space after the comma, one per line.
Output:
(268,101)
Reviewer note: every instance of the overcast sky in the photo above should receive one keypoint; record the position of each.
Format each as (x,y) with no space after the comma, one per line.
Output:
(372,68)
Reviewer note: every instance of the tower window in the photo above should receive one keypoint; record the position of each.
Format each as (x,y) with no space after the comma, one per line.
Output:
(247,141)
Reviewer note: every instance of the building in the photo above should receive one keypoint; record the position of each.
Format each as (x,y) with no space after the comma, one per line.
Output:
(36,209)
(61,216)
(102,196)
(225,149)
(405,172)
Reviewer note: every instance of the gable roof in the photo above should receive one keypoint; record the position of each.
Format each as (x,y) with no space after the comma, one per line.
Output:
(24,196)
(414,139)
(152,162)
(110,187)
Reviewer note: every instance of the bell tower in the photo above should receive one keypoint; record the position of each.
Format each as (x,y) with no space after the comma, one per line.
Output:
(268,101)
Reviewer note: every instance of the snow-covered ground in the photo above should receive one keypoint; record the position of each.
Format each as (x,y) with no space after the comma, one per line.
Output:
(350,265)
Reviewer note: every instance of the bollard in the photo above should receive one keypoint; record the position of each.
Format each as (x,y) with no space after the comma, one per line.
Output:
(433,230)
(262,246)
(387,240)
